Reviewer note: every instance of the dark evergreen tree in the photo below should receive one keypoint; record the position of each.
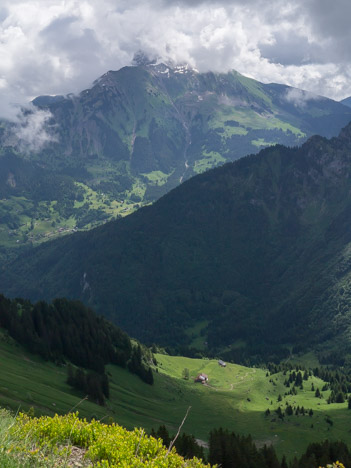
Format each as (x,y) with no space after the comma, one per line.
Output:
(340,398)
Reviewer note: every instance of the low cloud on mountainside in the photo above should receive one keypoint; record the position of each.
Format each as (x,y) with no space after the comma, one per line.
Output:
(32,131)
(53,47)
(300,98)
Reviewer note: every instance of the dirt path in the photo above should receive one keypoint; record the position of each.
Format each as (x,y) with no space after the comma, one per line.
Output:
(202,443)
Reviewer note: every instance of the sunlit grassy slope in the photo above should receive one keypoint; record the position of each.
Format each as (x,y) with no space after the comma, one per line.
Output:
(236,398)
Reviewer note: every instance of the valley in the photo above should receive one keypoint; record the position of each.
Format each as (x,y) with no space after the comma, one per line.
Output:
(29,223)
(251,258)
(175,234)
(236,398)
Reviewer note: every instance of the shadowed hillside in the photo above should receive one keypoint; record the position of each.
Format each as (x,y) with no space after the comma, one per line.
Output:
(259,249)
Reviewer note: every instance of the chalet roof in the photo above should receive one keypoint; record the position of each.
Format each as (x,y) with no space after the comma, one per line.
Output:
(202,377)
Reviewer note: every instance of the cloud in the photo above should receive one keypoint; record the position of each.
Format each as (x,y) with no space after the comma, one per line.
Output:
(54,47)
(300,98)
(289,48)
(31,130)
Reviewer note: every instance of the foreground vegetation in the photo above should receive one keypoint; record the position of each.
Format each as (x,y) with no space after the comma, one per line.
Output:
(67,441)
(54,441)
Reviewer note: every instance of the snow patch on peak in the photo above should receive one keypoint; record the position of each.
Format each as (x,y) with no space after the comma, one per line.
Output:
(184,68)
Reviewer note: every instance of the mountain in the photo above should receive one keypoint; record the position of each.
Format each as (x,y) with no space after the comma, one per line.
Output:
(256,252)
(136,134)
(346,101)
(156,118)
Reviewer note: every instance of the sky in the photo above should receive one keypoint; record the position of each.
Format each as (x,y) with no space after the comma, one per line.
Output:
(62,46)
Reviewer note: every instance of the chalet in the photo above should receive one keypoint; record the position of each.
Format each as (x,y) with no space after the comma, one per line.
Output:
(222,363)
(202,378)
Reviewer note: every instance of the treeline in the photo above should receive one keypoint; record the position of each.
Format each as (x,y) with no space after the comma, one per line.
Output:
(92,384)
(67,329)
(136,366)
(290,411)
(338,380)
(186,444)
(230,450)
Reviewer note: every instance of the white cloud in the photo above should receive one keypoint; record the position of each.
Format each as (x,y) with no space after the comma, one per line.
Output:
(31,130)
(300,98)
(57,47)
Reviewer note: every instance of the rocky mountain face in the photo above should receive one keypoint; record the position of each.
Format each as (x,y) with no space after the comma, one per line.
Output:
(256,253)
(136,134)
(179,122)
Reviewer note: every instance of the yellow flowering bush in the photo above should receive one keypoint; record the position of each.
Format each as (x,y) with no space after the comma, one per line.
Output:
(107,446)
(337,464)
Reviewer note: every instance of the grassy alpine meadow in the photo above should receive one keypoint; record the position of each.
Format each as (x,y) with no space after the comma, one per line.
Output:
(235,397)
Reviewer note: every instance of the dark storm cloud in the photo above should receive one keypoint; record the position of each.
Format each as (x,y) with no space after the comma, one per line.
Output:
(329,19)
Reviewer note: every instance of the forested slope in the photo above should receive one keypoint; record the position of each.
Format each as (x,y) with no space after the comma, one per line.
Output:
(258,248)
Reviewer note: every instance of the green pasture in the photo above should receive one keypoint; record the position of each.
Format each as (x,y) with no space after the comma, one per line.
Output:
(210,159)
(261,142)
(249,118)
(236,398)
(24,222)
(157,177)
(254,87)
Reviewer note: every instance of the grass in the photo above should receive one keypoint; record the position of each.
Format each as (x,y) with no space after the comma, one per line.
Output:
(254,88)
(210,160)
(158,178)
(32,223)
(138,189)
(248,118)
(261,142)
(198,340)
(18,453)
(236,398)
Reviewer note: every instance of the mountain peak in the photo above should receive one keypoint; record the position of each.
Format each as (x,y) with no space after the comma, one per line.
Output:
(142,58)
